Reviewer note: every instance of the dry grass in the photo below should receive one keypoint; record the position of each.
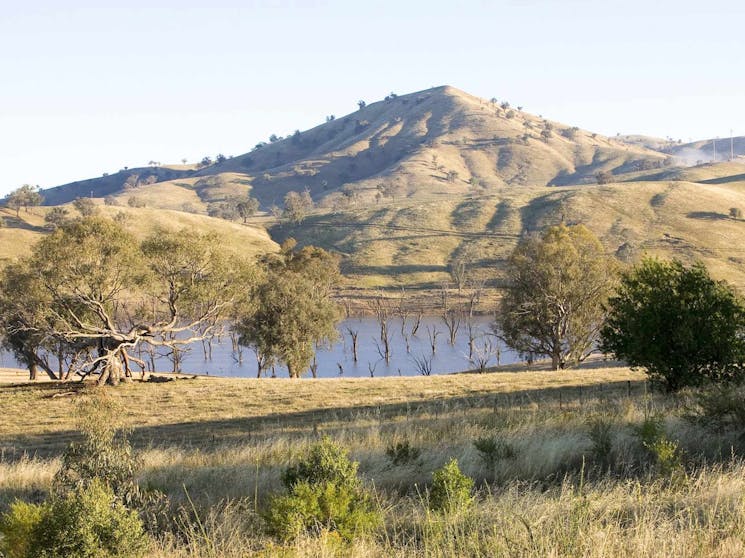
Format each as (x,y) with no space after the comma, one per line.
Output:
(226,443)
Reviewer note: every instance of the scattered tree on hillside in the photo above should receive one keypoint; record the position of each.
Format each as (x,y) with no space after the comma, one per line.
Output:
(132,181)
(735,213)
(24,197)
(678,323)
(390,189)
(135,201)
(330,118)
(570,133)
(247,208)
(603,177)
(362,104)
(220,158)
(93,292)
(297,205)
(85,206)
(292,311)
(554,304)
(206,161)
(451,175)
(56,217)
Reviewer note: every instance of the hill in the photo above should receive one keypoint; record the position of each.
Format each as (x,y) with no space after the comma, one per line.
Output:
(408,185)
(20,233)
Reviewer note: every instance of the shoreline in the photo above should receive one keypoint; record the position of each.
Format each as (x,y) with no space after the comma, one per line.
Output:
(15,376)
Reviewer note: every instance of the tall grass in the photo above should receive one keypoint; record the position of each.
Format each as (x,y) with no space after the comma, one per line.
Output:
(578,479)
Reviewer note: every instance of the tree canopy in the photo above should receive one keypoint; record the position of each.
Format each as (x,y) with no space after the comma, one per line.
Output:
(554,304)
(678,323)
(25,196)
(292,311)
(94,293)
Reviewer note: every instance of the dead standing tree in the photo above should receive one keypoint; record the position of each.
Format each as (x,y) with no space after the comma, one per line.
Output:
(381,308)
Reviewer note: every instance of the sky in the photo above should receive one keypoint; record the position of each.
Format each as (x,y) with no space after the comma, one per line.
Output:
(88,87)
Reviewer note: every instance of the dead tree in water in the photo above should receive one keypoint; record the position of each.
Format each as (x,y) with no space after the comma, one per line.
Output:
(423,364)
(353,334)
(432,333)
(382,311)
(452,319)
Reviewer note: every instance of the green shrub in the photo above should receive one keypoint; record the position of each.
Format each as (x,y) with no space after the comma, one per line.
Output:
(104,454)
(402,453)
(451,489)
(88,522)
(600,431)
(16,528)
(492,450)
(312,508)
(666,453)
(326,462)
(323,493)
(720,408)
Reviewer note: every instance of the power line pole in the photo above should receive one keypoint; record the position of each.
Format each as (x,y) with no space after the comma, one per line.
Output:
(731,145)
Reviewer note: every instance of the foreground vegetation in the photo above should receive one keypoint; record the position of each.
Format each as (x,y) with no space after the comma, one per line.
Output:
(576,463)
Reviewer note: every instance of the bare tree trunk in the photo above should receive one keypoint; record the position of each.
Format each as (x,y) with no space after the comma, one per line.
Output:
(33,371)
(353,336)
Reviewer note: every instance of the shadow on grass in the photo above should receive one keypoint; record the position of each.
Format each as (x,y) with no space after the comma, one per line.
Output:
(210,434)
(707,215)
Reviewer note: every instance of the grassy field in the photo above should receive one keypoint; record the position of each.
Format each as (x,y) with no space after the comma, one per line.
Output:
(556,492)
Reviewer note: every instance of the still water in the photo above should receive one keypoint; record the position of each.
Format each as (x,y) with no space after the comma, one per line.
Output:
(410,354)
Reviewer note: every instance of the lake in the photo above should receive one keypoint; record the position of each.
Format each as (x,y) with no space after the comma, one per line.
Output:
(409,354)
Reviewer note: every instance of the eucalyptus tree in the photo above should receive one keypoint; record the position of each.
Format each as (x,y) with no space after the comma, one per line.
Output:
(554,304)
(291,311)
(94,289)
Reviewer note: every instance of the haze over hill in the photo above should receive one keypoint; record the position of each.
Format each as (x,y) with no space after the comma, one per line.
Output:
(405,186)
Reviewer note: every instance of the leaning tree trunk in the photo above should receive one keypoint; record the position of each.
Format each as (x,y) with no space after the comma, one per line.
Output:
(113,371)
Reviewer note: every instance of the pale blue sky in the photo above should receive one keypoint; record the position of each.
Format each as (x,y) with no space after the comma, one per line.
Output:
(91,86)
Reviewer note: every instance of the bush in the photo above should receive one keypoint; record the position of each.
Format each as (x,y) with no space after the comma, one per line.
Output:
(719,408)
(402,453)
(451,489)
(678,323)
(324,492)
(492,450)
(86,523)
(16,528)
(314,507)
(600,433)
(326,462)
(104,455)
(666,453)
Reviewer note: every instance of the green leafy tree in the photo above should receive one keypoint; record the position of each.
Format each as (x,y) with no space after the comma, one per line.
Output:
(297,205)
(292,311)
(554,304)
(247,208)
(94,286)
(677,323)
(25,196)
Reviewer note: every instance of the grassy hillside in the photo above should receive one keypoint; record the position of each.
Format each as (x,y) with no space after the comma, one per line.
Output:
(405,186)
(412,241)
(18,235)
(572,477)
